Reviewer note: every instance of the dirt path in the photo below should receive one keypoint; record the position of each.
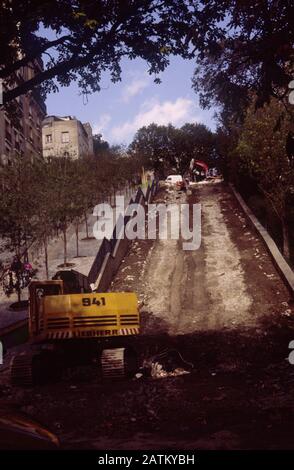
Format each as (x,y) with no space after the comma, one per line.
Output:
(201,289)
(229,282)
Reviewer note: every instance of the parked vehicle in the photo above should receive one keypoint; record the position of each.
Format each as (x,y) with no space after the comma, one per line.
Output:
(175,181)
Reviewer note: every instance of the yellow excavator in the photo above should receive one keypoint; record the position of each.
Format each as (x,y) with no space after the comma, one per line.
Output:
(68,330)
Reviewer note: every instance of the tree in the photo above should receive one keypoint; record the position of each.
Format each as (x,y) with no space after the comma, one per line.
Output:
(225,142)
(153,144)
(100,146)
(90,188)
(18,226)
(239,45)
(262,154)
(40,197)
(243,47)
(65,181)
(89,38)
(44,214)
(18,205)
(198,142)
(169,149)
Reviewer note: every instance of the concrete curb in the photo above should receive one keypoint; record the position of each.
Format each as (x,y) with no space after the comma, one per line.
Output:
(280,262)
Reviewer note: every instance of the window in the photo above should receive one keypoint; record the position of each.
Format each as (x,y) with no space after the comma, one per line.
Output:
(64,137)
(48,139)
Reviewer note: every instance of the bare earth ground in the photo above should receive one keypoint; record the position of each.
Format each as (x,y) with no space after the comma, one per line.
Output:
(230,282)
(226,310)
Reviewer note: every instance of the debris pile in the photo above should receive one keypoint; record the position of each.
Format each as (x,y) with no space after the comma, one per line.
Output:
(168,363)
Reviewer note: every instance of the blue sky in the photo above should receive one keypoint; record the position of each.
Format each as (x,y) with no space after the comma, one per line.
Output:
(120,109)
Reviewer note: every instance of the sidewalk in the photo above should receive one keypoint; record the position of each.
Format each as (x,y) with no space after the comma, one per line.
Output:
(87,249)
(9,317)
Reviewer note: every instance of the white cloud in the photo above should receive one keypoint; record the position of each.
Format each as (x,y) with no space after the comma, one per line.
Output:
(102,124)
(135,87)
(175,112)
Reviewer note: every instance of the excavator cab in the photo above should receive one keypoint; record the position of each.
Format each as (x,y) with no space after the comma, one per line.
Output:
(37,291)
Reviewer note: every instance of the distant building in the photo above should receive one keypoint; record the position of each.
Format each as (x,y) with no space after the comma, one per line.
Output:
(22,134)
(66,137)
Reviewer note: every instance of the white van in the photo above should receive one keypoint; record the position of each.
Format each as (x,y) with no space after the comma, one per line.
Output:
(174,180)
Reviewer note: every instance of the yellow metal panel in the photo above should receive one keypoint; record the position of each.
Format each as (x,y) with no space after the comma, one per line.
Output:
(95,304)
(87,315)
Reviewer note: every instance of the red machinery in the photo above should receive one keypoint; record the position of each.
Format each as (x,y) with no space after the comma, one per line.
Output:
(198,169)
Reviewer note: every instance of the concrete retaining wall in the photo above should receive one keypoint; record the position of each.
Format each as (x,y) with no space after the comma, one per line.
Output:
(278,259)
(112,252)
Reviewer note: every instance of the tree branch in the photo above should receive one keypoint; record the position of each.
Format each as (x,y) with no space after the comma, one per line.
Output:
(58,69)
(62,67)
(7,71)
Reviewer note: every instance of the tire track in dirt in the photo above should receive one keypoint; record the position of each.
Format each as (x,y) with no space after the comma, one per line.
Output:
(230,301)
(203,289)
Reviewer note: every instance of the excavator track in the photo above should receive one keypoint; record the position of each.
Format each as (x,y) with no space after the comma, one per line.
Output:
(35,368)
(118,363)
(21,370)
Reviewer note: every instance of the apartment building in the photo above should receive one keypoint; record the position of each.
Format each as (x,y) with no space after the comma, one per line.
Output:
(66,137)
(21,134)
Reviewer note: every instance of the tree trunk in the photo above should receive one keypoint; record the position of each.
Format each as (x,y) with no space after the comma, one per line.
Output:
(65,245)
(286,242)
(87,226)
(46,256)
(77,239)
(19,294)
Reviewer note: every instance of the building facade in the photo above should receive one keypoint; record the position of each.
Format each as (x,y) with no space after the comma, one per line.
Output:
(21,134)
(66,137)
